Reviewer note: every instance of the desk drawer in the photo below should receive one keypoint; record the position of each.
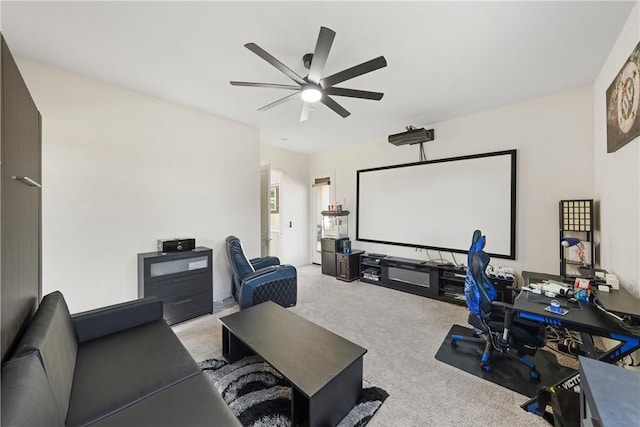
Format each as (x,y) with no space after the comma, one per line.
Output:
(182,307)
(192,284)
(172,266)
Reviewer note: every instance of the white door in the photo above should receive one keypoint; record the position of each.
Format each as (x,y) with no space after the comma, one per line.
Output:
(265,212)
(275,244)
(321,193)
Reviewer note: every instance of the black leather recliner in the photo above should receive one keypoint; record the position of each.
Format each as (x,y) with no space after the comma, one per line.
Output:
(493,321)
(258,280)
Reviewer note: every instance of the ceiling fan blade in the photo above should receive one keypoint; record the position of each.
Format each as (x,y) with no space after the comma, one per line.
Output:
(278,102)
(323,46)
(335,106)
(304,114)
(358,70)
(273,61)
(271,85)
(354,93)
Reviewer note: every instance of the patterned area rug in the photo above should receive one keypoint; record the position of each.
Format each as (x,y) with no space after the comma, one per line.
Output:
(259,396)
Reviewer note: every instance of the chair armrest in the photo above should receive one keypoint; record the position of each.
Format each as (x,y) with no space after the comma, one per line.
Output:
(116,318)
(262,262)
(504,305)
(263,277)
(258,273)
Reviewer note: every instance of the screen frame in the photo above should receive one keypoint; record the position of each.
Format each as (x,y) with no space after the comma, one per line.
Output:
(513,174)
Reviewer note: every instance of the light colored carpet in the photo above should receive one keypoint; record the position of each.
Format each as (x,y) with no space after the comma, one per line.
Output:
(402,333)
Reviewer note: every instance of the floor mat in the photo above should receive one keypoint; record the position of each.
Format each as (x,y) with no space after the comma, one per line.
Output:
(507,373)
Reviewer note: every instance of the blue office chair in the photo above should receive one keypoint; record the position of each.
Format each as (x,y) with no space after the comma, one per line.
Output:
(257,280)
(493,321)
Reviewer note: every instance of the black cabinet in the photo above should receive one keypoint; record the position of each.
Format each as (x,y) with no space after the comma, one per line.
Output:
(331,247)
(348,266)
(182,279)
(452,285)
(411,275)
(425,278)
(21,200)
(371,268)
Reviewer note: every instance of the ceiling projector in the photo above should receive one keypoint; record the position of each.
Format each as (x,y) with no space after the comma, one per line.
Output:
(412,136)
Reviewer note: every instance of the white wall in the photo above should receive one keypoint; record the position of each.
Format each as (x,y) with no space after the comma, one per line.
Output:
(120,170)
(294,197)
(617,176)
(554,139)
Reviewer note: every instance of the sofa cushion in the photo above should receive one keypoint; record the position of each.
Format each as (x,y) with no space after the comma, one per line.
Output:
(52,336)
(192,402)
(27,398)
(120,369)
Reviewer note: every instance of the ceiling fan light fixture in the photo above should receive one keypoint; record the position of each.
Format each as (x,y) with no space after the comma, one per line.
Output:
(311,94)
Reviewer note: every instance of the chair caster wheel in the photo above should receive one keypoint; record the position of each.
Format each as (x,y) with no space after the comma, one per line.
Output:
(533,374)
(486,367)
(454,343)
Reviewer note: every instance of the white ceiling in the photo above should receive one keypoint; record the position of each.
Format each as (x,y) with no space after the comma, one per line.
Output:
(446,59)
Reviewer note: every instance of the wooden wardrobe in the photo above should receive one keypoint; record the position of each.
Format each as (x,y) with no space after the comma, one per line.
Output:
(20,203)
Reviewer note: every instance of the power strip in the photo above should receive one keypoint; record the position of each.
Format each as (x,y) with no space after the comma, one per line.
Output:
(506,273)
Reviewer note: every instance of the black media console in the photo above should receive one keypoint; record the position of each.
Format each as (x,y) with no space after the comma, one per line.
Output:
(424,278)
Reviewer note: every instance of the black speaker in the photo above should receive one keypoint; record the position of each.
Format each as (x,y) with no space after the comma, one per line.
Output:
(176,245)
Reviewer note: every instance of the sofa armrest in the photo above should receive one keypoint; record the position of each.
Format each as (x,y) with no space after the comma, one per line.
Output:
(115,318)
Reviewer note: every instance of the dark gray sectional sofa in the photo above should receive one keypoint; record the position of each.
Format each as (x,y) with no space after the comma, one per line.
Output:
(117,366)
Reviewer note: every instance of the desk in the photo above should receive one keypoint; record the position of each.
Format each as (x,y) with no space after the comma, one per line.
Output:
(608,394)
(588,320)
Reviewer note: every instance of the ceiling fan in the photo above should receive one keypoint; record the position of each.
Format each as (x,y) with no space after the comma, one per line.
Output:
(314,87)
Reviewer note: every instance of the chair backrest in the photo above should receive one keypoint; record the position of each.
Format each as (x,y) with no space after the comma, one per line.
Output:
(237,259)
(478,289)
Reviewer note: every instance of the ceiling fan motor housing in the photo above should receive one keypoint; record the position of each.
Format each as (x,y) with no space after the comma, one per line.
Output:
(306,60)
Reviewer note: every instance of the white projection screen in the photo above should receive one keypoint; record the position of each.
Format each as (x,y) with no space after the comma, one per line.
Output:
(438,204)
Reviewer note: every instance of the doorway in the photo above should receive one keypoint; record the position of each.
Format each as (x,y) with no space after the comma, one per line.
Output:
(265,219)
(275,214)
(322,191)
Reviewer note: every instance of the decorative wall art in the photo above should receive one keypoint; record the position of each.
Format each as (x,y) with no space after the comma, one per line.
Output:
(622,104)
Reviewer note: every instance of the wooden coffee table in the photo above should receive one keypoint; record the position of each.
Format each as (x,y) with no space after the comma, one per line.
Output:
(324,369)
